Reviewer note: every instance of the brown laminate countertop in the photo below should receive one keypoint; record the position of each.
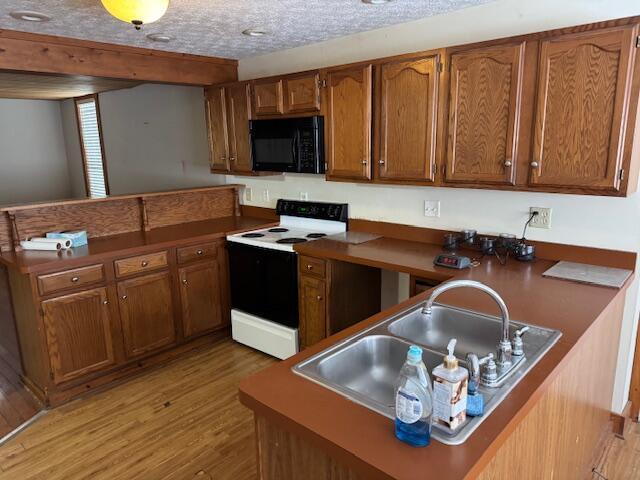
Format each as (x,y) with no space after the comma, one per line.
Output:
(365,440)
(133,243)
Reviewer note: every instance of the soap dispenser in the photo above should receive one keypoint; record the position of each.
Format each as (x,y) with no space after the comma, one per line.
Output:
(450,391)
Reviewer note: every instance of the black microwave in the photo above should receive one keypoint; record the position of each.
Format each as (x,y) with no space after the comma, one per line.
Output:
(288,145)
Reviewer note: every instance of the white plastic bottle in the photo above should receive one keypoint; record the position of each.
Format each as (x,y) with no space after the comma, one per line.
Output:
(414,401)
(450,391)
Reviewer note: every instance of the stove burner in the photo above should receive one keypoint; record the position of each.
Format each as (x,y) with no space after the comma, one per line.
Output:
(278,230)
(316,235)
(253,235)
(291,240)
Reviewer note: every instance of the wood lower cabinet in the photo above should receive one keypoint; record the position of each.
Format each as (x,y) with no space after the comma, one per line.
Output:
(583,90)
(146,312)
(334,295)
(78,330)
(348,123)
(216,116)
(484,108)
(201,295)
(408,99)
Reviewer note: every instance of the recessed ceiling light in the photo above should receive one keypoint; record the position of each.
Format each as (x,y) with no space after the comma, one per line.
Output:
(29,16)
(375,2)
(254,32)
(160,37)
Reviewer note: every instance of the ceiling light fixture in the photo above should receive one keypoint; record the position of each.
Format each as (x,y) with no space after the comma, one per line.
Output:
(254,32)
(29,16)
(160,37)
(375,2)
(137,12)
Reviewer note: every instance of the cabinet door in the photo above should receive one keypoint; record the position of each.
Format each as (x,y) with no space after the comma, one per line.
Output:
(484,105)
(407,124)
(215,107)
(348,123)
(146,310)
(313,310)
(583,89)
(78,331)
(201,296)
(267,97)
(239,112)
(302,93)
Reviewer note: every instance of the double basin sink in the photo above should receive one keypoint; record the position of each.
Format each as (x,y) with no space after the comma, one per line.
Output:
(364,367)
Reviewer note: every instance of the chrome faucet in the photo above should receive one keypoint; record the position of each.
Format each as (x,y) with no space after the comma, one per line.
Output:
(503,358)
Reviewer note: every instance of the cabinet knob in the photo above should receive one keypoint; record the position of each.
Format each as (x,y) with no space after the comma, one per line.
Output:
(507,163)
(381,162)
(144,263)
(309,267)
(124,297)
(75,279)
(105,302)
(534,164)
(319,297)
(233,159)
(199,252)
(364,162)
(184,280)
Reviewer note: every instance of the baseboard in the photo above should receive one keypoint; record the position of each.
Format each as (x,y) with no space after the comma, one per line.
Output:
(621,421)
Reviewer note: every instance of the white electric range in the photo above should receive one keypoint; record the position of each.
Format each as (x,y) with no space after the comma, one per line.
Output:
(264,274)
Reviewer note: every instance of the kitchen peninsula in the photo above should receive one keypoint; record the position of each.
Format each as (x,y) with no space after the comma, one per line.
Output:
(548,426)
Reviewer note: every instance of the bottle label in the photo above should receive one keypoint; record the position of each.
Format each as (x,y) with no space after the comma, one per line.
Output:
(408,406)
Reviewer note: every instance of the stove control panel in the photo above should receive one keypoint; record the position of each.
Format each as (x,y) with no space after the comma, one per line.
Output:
(337,212)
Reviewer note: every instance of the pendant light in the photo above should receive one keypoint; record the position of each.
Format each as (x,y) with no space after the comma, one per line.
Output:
(137,12)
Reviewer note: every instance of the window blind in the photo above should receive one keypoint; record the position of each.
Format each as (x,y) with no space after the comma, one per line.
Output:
(90,135)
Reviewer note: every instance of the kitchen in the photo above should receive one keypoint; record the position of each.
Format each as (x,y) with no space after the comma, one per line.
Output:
(398,214)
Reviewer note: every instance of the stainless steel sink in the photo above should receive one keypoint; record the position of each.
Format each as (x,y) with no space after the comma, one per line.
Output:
(364,367)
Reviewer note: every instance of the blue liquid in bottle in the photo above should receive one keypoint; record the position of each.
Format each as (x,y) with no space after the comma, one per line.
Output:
(414,401)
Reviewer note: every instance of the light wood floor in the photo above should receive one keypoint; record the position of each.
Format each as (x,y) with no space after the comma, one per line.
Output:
(17,404)
(182,422)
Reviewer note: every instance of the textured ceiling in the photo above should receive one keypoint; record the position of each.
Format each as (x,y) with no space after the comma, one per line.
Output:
(213,27)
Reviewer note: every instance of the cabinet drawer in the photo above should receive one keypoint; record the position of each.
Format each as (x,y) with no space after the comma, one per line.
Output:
(141,263)
(70,279)
(314,266)
(195,252)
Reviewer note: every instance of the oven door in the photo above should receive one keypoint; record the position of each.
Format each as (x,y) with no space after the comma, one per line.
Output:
(275,145)
(264,283)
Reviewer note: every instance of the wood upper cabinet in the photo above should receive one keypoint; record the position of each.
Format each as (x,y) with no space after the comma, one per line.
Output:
(302,93)
(239,113)
(78,332)
(216,115)
(348,123)
(407,120)
(582,98)
(146,311)
(268,98)
(484,109)
(201,293)
(313,310)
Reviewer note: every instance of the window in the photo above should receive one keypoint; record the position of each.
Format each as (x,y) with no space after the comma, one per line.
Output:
(95,171)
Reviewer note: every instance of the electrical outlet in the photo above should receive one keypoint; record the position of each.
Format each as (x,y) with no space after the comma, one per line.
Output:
(432,208)
(304,196)
(543,219)
(265,195)
(248,194)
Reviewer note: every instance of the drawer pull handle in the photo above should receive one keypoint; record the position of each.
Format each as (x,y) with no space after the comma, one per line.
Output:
(145,263)
(75,279)
(199,252)
(124,297)
(184,280)
(309,267)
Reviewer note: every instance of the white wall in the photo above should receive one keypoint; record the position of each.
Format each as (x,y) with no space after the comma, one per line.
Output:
(33,160)
(592,221)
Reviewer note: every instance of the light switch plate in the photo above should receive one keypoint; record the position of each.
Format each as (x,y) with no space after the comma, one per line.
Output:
(432,208)
(543,219)
(304,196)
(248,194)
(265,195)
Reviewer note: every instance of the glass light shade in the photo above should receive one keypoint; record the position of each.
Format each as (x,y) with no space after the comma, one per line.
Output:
(137,12)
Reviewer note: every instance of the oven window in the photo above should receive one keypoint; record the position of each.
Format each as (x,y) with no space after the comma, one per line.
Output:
(274,151)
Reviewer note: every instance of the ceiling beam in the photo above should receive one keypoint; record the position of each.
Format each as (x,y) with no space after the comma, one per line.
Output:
(28,52)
